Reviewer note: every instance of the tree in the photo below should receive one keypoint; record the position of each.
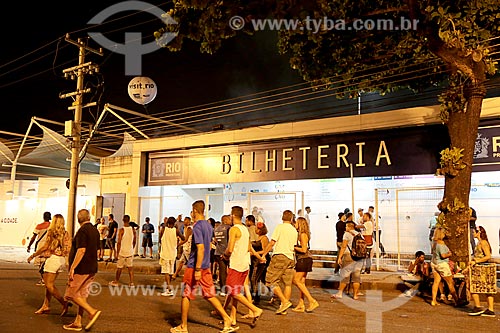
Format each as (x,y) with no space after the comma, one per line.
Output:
(401,44)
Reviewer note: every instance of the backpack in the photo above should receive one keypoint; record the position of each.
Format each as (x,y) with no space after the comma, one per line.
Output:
(358,247)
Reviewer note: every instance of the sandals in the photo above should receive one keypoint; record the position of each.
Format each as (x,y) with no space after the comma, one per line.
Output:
(93,320)
(335,296)
(229,329)
(42,311)
(301,309)
(178,329)
(65,308)
(72,327)
(254,320)
(312,306)
(247,316)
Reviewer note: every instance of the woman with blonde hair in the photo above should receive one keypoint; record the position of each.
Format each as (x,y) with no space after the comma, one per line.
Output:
(56,250)
(482,253)
(303,266)
(440,266)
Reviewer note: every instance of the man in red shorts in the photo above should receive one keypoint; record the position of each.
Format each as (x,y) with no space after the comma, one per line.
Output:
(82,269)
(238,253)
(197,272)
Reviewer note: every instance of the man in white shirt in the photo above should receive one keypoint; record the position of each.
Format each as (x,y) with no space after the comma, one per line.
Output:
(168,252)
(281,268)
(238,255)
(125,249)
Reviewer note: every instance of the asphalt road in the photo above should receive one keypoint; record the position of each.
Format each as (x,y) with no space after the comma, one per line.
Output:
(144,310)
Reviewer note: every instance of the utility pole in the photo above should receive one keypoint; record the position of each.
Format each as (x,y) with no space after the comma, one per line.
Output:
(73,127)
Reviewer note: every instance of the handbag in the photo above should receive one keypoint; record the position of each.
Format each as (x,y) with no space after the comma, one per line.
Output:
(42,267)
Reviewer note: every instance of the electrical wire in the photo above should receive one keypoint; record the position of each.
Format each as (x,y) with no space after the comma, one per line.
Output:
(257,106)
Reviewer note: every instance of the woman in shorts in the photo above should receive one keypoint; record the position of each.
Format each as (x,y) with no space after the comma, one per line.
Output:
(440,266)
(303,266)
(56,250)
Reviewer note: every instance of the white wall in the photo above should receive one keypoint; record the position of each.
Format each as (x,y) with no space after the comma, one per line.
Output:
(19,216)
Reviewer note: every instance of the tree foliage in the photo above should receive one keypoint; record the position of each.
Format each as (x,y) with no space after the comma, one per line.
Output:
(450,47)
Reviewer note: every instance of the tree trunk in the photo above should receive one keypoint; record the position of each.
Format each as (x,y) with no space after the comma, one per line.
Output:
(462,128)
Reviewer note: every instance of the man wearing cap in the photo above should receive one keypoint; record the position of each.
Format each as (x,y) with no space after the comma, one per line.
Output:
(340,229)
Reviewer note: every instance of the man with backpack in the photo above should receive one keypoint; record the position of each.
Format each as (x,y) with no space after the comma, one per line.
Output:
(351,257)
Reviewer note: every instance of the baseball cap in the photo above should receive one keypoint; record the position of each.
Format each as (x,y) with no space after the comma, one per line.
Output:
(347,210)
(360,209)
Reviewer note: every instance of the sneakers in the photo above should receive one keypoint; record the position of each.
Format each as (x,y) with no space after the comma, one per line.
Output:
(167,293)
(488,313)
(114,283)
(411,292)
(142,256)
(40,283)
(476,311)
(283,307)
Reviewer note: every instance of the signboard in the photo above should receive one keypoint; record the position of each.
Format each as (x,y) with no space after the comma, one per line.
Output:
(487,149)
(395,152)
(169,169)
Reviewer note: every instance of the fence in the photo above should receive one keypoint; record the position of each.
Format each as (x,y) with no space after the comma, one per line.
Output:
(403,216)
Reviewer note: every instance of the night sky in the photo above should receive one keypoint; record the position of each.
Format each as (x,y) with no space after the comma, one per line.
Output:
(244,65)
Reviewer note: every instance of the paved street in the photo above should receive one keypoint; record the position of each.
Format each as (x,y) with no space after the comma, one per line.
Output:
(143,310)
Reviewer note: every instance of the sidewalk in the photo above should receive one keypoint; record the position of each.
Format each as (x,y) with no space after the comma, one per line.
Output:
(318,278)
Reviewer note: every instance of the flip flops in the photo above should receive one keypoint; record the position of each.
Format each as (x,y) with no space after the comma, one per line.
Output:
(229,329)
(93,320)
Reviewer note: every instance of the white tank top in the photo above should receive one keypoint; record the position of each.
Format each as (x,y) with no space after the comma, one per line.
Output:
(169,244)
(240,258)
(127,245)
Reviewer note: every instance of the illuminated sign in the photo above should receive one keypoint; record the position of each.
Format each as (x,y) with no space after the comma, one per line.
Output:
(395,152)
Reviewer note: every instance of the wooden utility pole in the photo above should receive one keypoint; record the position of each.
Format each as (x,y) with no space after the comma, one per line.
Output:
(73,127)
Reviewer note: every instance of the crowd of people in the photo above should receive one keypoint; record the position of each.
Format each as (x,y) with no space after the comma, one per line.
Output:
(237,255)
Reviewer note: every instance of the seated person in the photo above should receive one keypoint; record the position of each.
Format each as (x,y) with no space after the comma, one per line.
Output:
(419,272)
(418,266)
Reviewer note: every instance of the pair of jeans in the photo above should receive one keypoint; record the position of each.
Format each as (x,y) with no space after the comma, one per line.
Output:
(256,273)
(223,264)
